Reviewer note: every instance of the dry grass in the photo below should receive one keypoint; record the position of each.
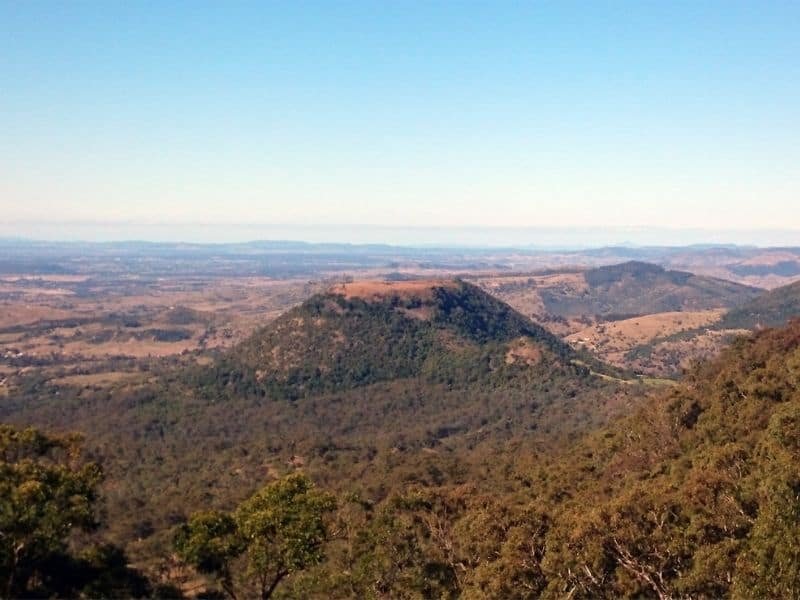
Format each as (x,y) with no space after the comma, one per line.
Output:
(233,308)
(621,336)
(523,293)
(612,341)
(11,288)
(23,313)
(369,290)
(701,347)
(524,351)
(770,258)
(96,379)
(130,348)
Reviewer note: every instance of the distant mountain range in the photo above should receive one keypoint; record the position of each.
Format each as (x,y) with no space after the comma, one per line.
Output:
(753,266)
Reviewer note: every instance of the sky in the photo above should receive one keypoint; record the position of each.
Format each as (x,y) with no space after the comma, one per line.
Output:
(211,119)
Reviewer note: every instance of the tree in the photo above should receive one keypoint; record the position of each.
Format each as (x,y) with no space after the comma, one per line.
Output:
(211,543)
(46,492)
(278,531)
(770,567)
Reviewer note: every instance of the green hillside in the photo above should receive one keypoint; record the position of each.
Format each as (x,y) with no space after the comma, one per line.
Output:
(638,288)
(771,309)
(696,494)
(445,331)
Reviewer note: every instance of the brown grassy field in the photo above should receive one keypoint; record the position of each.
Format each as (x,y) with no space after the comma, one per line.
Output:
(621,336)
(667,352)
(22,312)
(422,289)
(524,293)
(96,379)
(51,329)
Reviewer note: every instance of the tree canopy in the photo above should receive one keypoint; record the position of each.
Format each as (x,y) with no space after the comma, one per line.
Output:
(279,531)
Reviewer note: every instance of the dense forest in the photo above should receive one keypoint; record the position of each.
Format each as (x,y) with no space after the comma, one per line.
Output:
(461,452)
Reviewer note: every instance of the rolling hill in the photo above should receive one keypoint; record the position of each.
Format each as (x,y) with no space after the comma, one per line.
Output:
(771,309)
(617,291)
(633,315)
(642,288)
(671,349)
(694,495)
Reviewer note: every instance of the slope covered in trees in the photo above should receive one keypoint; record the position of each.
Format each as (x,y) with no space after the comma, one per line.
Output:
(48,496)
(771,309)
(457,488)
(364,333)
(643,288)
(696,494)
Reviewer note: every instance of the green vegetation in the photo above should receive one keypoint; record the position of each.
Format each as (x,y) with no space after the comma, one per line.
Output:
(48,493)
(638,288)
(207,437)
(277,532)
(772,309)
(697,494)
(332,343)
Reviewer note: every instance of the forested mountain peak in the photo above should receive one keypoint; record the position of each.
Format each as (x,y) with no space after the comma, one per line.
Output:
(361,333)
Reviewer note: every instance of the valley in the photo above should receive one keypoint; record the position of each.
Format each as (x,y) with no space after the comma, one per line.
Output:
(465,389)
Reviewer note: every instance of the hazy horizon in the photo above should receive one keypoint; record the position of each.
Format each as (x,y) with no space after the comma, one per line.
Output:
(478,237)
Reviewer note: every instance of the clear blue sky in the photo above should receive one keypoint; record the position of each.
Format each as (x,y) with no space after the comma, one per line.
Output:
(534,114)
